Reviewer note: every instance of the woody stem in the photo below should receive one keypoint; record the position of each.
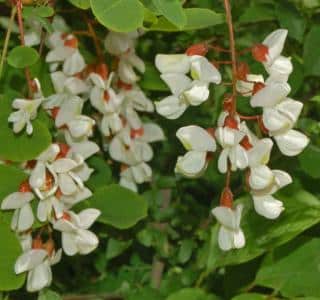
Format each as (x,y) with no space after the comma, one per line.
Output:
(233,55)
(18,4)
(234,75)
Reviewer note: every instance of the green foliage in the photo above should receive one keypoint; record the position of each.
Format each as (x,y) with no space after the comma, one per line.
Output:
(119,206)
(49,295)
(10,179)
(83,4)
(197,18)
(310,160)
(311,57)
(22,56)
(191,294)
(9,251)
(172,10)
(110,14)
(292,269)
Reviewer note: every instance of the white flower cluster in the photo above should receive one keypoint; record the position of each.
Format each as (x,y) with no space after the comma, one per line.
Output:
(119,100)
(57,176)
(240,147)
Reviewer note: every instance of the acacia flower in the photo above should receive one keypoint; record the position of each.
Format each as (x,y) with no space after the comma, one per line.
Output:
(198,142)
(186,91)
(26,112)
(76,238)
(230,235)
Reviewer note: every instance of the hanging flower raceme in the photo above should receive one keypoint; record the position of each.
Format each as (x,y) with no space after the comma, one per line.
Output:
(241,148)
(186,91)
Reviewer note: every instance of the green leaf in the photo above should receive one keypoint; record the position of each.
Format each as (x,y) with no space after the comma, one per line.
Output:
(185,251)
(22,56)
(310,56)
(49,295)
(119,15)
(191,294)
(9,251)
(290,18)
(293,269)
(119,206)
(116,247)
(302,210)
(197,18)
(21,147)
(10,179)
(151,80)
(310,161)
(250,296)
(40,11)
(83,4)
(257,13)
(101,176)
(172,10)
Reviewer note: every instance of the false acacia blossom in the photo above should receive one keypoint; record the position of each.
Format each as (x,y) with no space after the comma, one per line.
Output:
(199,143)
(186,91)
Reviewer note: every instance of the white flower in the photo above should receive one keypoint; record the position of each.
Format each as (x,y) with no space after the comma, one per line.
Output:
(118,43)
(275,43)
(23,218)
(76,238)
(131,146)
(102,96)
(198,142)
(230,235)
(245,88)
(81,126)
(39,174)
(47,206)
(68,84)
(273,93)
(65,49)
(122,45)
(229,138)
(264,182)
(27,111)
(185,91)
(37,262)
(134,175)
(127,63)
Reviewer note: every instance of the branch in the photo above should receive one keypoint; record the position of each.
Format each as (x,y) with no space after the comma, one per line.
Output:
(7,39)
(158,265)
(18,4)
(233,55)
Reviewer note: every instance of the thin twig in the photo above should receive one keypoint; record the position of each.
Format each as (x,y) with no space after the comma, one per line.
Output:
(18,4)
(158,265)
(233,54)
(95,38)
(7,39)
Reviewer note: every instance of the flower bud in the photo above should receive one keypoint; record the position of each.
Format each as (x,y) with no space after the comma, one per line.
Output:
(260,52)
(197,49)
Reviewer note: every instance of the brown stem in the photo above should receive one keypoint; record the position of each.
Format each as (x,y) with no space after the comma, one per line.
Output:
(234,75)
(95,38)
(254,118)
(233,55)
(158,265)
(18,4)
